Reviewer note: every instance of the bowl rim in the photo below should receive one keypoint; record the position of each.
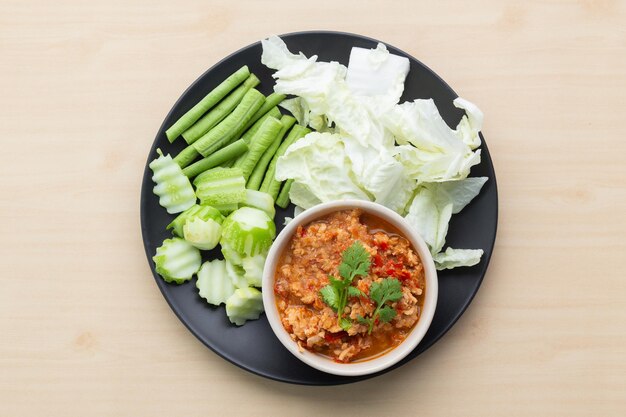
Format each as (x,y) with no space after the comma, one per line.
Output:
(385,360)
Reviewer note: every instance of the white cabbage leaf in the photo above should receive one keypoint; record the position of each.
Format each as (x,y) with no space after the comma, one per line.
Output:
(471,123)
(376,76)
(454,258)
(320,169)
(437,152)
(324,92)
(431,210)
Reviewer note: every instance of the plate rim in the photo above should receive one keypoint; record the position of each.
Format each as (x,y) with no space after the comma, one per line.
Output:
(220,352)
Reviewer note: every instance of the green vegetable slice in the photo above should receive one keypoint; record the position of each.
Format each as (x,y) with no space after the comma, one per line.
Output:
(226,209)
(245,304)
(176,260)
(213,282)
(206,103)
(230,254)
(260,200)
(203,234)
(253,267)
(236,275)
(248,231)
(221,186)
(202,212)
(172,186)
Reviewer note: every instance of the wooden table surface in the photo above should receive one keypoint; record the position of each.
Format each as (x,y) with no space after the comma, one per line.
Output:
(84,87)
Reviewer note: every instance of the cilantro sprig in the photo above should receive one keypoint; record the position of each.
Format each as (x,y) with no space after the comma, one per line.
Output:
(389,289)
(355,261)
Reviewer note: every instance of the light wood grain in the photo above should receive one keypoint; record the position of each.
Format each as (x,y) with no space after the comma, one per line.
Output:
(84,87)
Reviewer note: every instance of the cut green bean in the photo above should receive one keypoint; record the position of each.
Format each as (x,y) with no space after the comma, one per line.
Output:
(270,185)
(254,129)
(206,103)
(186,156)
(259,144)
(283,198)
(227,153)
(273,112)
(219,112)
(232,126)
(254,182)
(271,101)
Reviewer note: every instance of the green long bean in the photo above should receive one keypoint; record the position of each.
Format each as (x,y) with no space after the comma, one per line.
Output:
(273,112)
(219,112)
(210,100)
(283,198)
(225,154)
(270,184)
(254,182)
(271,101)
(231,126)
(259,144)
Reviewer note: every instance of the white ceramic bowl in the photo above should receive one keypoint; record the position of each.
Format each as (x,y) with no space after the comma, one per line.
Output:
(318,361)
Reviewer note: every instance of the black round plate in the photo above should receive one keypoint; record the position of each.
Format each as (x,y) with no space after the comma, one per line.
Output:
(253,346)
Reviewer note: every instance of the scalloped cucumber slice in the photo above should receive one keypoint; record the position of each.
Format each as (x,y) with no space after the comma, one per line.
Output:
(248,231)
(221,186)
(262,201)
(203,234)
(202,212)
(245,304)
(172,186)
(230,254)
(213,283)
(253,267)
(176,260)
(236,275)
(176,226)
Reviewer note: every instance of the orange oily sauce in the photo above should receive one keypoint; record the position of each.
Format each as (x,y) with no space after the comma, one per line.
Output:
(315,252)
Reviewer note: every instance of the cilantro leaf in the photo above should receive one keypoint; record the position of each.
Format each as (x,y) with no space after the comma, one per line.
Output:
(363,320)
(355,261)
(355,292)
(388,289)
(376,292)
(337,283)
(331,296)
(345,323)
(393,289)
(386,314)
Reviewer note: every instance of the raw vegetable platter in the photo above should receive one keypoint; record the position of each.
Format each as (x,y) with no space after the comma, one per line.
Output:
(253,346)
